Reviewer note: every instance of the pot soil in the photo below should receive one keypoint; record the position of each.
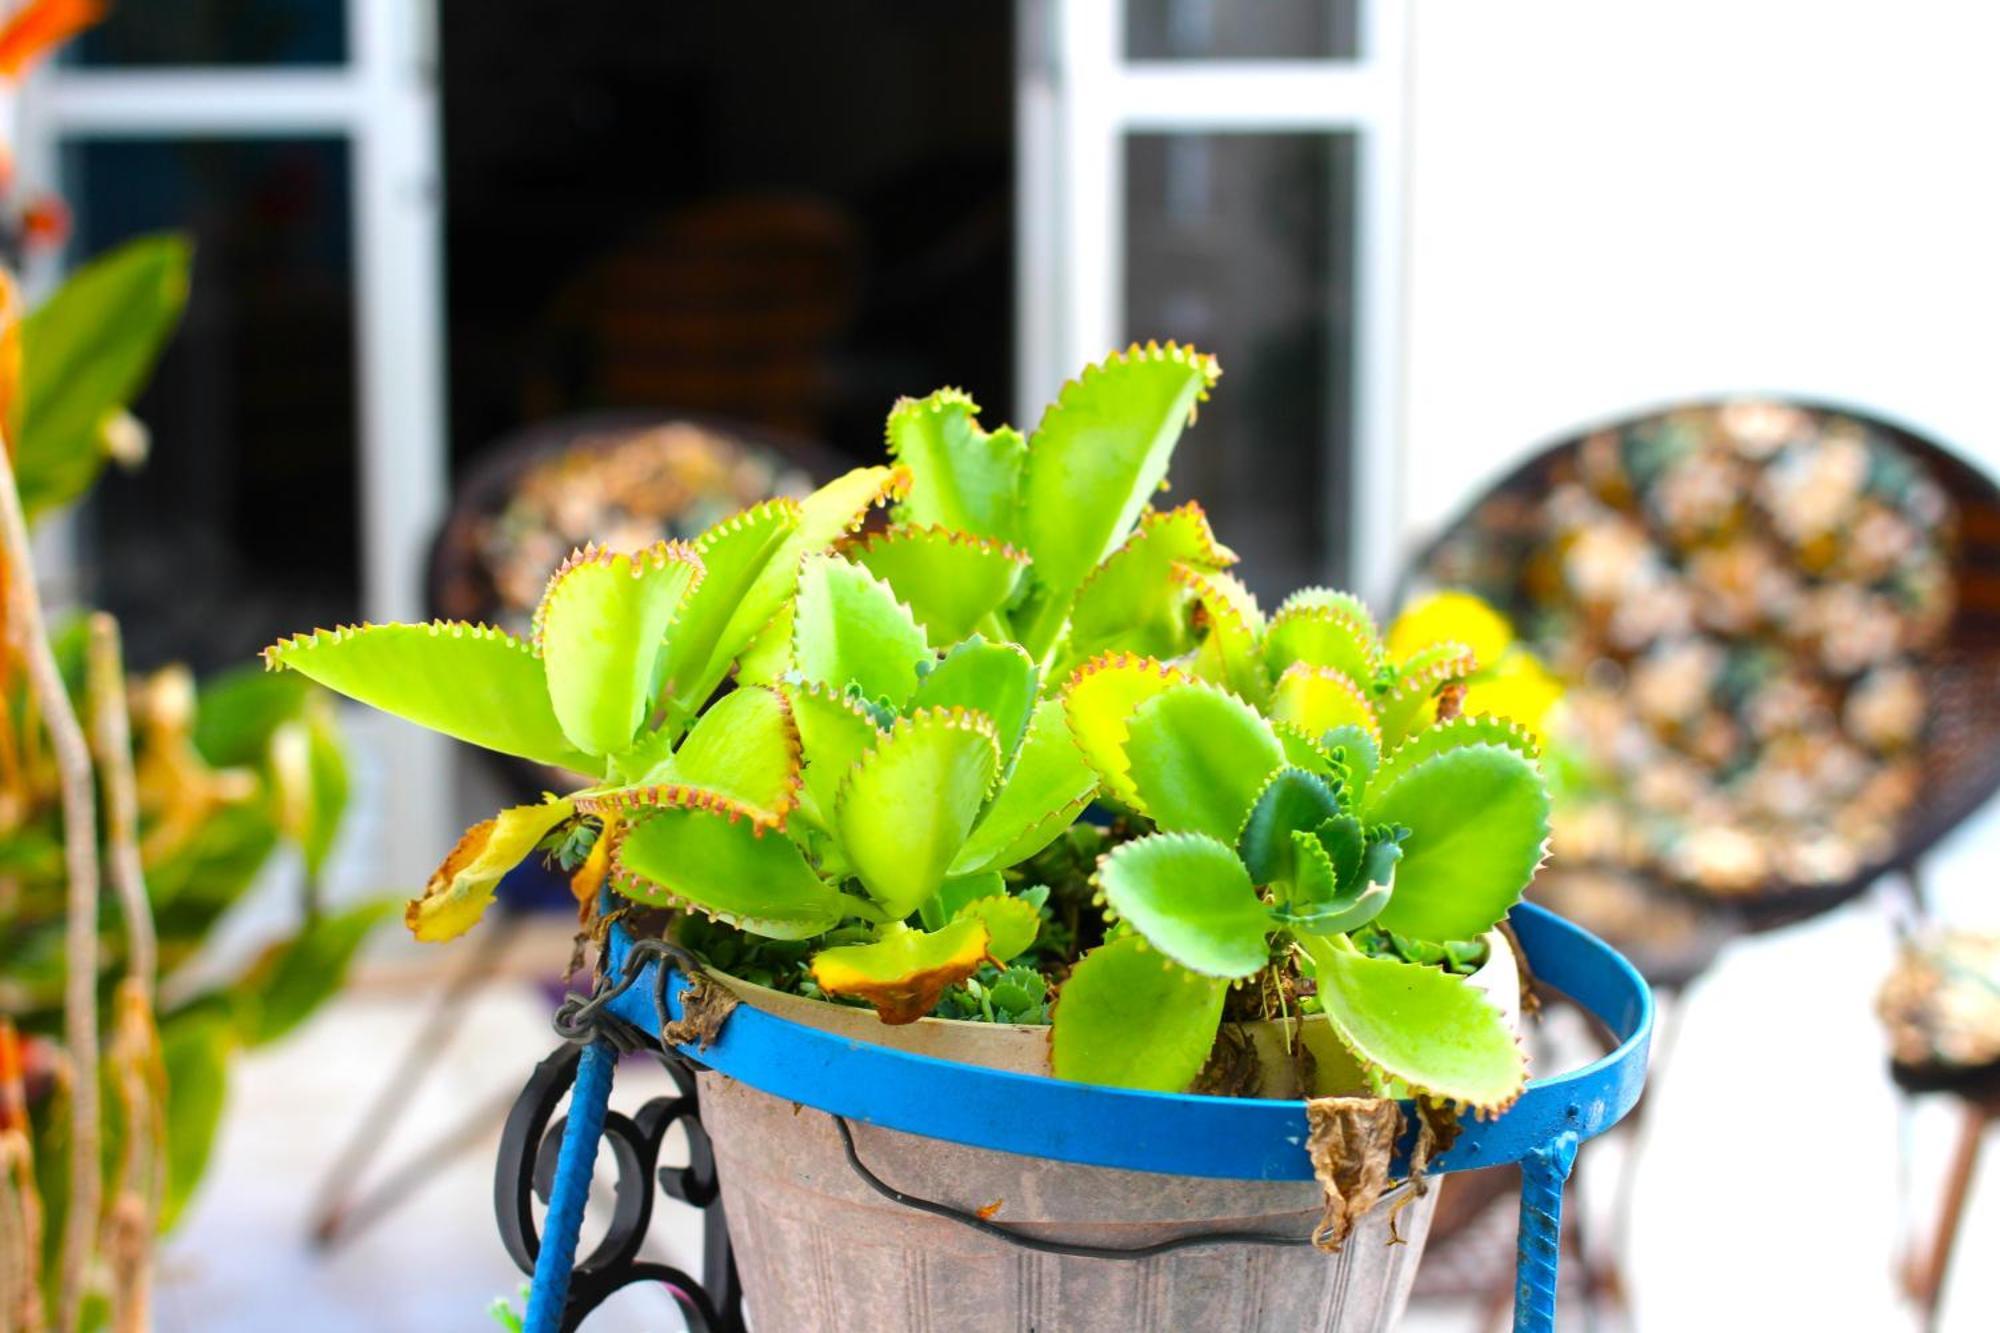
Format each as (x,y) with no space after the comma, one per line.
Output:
(819,1249)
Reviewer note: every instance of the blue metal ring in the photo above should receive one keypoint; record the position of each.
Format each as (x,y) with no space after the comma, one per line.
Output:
(1181,1134)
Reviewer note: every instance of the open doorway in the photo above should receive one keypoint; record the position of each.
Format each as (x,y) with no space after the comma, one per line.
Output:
(784,214)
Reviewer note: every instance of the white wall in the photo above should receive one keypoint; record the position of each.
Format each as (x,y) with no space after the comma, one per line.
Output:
(1614,204)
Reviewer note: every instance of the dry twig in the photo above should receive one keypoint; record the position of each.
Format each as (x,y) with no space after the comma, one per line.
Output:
(72,758)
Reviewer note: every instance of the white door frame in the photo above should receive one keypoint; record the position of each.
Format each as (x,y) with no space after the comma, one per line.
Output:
(1078,98)
(383,101)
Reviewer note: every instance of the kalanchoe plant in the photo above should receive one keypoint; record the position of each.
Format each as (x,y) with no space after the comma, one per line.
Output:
(627,648)
(1279,837)
(912,665)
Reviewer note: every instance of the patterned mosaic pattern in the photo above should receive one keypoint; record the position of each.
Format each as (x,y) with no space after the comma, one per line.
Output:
(1742,600)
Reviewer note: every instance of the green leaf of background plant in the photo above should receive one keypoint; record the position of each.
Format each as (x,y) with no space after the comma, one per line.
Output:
(1191,898)
(1129,1018)
(951,581)
(722,867)
(1099,454)
(956,892)
(848,628)
(195,1047)
(960,475)
(601,627)
(1478,818)
(1198,757)
(908,804)
(1050,783)
(480,685)
(1422,1026)
(996,679)
(291,979)
(236,711)
(85,353)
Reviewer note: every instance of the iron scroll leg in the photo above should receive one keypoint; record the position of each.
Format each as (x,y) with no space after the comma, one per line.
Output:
(1539,1242)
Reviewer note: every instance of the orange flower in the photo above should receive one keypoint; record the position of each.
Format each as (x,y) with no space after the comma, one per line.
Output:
(41,26)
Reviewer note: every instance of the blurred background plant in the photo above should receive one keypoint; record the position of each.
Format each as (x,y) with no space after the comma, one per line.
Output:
(200,785)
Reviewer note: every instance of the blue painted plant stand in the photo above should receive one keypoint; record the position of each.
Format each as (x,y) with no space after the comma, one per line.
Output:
(1177,1134)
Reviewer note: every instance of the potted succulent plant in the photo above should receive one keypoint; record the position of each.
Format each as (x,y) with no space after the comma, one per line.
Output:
(1025,779)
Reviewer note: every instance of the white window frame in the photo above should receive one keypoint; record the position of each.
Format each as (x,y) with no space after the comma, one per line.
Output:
(1078,98)
(383,102)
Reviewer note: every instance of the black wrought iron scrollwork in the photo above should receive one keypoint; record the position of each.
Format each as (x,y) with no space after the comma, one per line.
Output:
(526,1167)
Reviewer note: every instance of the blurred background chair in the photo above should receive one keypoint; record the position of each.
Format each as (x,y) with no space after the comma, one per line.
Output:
(1777,626)
(621,479)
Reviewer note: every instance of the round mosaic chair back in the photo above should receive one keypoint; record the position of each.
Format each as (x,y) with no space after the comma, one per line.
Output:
(1779,629)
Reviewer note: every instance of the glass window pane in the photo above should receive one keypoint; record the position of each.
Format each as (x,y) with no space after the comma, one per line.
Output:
(217,32)
(1240,29)
(1241,245)
(242,523)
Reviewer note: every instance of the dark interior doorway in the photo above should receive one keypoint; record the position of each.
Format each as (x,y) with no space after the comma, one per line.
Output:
(784,213)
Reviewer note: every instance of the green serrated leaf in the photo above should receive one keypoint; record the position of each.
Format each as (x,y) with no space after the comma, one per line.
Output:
(1011,924)
(1292,800)
(1198,756)
(951,581)
(1303,751)
(1129,1018)
(601,627)
(1099,699)
(834,732)
(1232,632)
(737,557)
(1420,1026)
(479,685)
(1478,823)
(849,629)
(996,679)
(1359,756)
(1452,735)
(1318,699)
(721,866)
(908,804)
(903,973)
(1321,636)
(1094,462)
(956,892)
(1191,898)
(85,354)
(1410,704)
(745,747)
(1325,904)
(960,475)
(1049,785)
(1133,601)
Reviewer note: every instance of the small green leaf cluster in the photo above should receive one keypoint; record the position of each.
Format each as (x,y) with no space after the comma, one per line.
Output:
(1284,830)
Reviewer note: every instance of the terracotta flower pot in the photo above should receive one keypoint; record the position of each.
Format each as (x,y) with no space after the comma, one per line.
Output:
(818,1249)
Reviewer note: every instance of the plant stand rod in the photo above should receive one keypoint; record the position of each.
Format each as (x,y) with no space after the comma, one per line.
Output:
(1539,1243)
(571,1189)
